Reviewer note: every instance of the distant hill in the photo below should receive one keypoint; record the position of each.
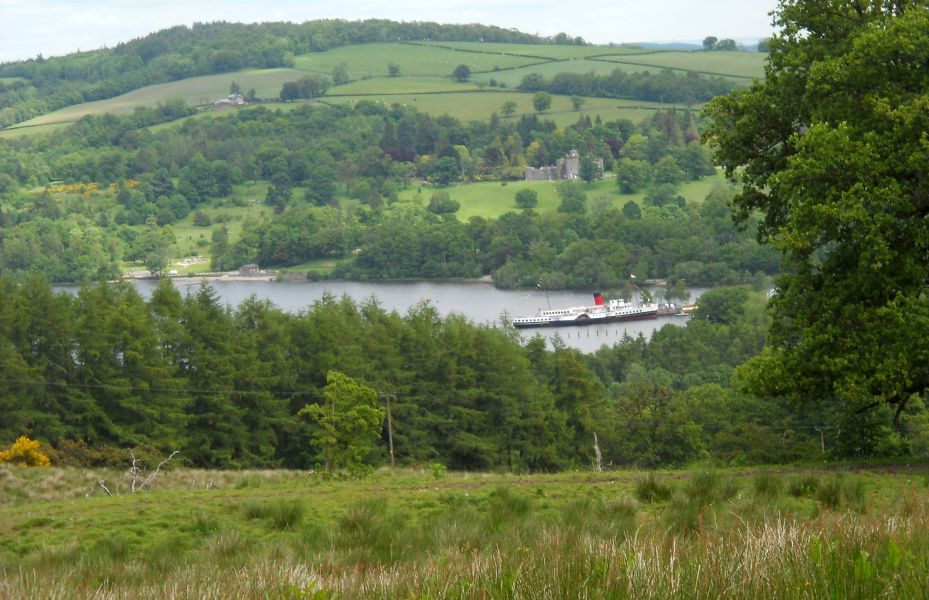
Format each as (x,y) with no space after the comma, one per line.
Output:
(382,60)
(38,86)
(747,44)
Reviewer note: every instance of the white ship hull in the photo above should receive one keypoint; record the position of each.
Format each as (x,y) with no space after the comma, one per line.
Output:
(614,310)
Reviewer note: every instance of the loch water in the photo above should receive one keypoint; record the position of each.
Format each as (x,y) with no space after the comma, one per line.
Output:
(478,301)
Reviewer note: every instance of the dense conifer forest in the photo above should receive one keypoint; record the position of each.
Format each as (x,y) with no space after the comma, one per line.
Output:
(105,369)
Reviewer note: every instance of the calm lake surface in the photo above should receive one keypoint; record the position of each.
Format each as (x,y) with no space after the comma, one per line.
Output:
(478,301)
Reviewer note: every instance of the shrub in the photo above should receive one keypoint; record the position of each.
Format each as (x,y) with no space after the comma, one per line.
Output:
(202,219)
(438,470)
(527,198)
(442,204)
(25,452)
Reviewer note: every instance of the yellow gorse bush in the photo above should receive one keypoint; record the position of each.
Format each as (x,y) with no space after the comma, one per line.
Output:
(25,452)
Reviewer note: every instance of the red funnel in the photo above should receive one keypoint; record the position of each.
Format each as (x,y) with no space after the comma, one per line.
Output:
(598,298)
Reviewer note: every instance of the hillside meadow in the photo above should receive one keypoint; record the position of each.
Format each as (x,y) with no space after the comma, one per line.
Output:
(426,533)
(492,199)
(734,65)
(424,79)
(372,60)
(477,105)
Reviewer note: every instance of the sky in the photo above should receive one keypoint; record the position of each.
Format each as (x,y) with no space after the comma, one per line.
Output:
(56,27)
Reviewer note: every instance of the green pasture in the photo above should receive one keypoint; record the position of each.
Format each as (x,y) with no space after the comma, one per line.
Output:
(743,65)
(514,77)
(401,85)
(603,60)
(372,60)
(195,91)
(466,102)
(200,115)
(320,267)
(425,69)
(493,199)
(223,211)
(542,51)
(477,106)
(29,131)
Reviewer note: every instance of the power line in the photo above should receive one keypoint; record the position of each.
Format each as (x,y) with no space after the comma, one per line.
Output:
(253,392)
(160,390)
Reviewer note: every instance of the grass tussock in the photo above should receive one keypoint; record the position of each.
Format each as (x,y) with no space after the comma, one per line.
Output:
(282,515)
(768,486)
(651,488)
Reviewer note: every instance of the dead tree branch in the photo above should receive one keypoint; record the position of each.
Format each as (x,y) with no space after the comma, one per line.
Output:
(148,481)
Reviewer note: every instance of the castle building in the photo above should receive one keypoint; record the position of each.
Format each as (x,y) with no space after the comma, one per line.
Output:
(568,167)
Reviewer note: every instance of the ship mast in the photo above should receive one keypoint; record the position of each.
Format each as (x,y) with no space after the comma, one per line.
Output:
(547,299)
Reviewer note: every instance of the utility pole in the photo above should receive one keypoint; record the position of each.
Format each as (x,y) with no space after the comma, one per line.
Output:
(390,428)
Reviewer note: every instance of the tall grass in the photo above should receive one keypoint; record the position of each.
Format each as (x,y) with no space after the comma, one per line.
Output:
(280,514)
(707,535)
(651,488)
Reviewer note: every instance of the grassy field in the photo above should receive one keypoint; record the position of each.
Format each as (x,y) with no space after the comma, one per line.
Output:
(537,51)
(742,65)
(246,203)
(425,70)
(478,105)
(195,91)
(514,77)
(372,60)
(490,200)
(31,130)
(408,533)
(401,85)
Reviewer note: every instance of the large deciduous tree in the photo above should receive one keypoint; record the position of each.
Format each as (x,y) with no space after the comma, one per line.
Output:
(832,150)
(541,101)
(461,73)
(347,426)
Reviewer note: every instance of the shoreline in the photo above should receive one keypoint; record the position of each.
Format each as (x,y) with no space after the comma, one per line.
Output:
(276,277)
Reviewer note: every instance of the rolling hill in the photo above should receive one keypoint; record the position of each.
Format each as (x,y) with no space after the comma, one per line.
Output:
(423,79)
